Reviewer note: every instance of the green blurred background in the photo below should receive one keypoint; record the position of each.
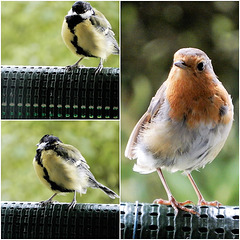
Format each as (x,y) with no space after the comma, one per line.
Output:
(151,32)
(98,141)
(31,33)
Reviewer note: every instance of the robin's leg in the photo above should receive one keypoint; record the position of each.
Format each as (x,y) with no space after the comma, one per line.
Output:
(201,200)
(171,200)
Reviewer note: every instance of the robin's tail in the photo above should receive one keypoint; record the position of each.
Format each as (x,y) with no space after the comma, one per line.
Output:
(108,191)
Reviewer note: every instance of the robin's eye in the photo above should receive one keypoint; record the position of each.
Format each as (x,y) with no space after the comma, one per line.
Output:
(200,66)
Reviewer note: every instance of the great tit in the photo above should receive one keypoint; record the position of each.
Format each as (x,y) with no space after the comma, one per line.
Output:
(62,168)
(87,33)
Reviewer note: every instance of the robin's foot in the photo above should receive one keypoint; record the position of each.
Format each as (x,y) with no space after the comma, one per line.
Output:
(176,205)
(202,202)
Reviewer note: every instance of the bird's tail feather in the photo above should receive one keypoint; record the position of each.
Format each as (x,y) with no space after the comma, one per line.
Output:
(108,191)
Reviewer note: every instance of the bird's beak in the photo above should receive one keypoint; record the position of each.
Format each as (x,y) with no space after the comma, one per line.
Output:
(180,64)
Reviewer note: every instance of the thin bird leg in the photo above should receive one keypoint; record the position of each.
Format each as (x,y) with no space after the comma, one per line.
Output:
(171,200)
(99,67)
(44,203)
(75,65)
(74,201)
(201,200)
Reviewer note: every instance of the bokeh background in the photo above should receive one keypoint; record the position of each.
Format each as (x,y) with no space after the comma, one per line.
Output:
(151,32)
(98,141)
(31,33)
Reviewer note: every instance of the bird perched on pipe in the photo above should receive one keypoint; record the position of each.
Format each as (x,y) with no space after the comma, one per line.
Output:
(87,33)
(62,168)
(186,124)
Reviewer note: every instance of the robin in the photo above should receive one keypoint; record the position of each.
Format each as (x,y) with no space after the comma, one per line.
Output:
(186,124)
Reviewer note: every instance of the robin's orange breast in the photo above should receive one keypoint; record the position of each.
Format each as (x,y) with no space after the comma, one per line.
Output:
(197,98)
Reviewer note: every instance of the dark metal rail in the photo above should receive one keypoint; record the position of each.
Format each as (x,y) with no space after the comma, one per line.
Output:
(55,93)
(22,220)
(154,221)
(149,221)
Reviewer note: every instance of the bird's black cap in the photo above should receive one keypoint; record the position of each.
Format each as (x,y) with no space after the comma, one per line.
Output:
(50,139)
(80,7)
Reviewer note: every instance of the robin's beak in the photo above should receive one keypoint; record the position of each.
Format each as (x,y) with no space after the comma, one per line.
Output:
(180,64)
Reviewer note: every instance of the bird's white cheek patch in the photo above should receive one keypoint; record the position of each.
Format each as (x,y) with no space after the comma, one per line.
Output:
(42,146)
(87,14)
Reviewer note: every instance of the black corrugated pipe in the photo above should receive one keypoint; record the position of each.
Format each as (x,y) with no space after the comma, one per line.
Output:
(23,220)
(154,221)
(54,93)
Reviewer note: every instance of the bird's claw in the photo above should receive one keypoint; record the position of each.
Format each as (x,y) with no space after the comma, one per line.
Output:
(45,203)
(98,69)
(202,202)
(72,204)
(71,67)
(177,205)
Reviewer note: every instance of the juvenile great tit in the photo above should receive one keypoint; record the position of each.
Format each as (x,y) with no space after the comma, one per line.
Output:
(62,168)
(87,33)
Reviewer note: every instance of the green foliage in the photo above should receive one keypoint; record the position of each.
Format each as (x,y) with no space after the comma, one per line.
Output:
(98,141)
(31,33)
(161,28)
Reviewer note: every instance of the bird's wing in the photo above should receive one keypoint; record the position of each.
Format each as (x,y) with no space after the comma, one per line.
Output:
(153,109)
(72,155)
(102,25)
(100,22)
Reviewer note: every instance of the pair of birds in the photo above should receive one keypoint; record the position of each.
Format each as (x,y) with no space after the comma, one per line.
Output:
(183,129)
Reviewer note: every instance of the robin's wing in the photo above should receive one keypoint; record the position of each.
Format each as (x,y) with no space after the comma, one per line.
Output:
(153,109)
(102,25)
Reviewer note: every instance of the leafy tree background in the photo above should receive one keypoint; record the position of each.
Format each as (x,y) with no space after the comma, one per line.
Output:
(151,32)
(98,141)
(31,33)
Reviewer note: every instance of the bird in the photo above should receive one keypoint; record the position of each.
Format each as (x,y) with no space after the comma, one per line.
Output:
(87,33)
(62,168)
(185,126)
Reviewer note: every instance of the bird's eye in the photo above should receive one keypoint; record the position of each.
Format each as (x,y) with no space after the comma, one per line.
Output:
(200,66)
